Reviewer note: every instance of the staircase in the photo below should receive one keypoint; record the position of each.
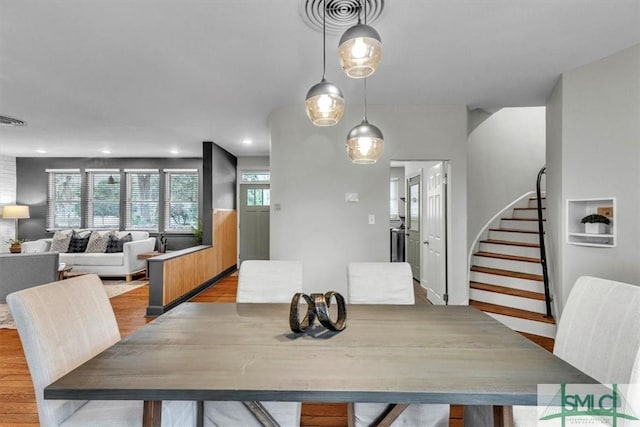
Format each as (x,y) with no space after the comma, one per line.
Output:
(506,275)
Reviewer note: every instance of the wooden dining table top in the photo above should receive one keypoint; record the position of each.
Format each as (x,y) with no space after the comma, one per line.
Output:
(387,353)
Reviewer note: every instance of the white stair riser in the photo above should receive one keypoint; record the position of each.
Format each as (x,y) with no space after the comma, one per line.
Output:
(514,236)
(525,325)
(534,203)
(504,300)
(508,264)
(510,282)
(510,250)
(528,213)
(519,225)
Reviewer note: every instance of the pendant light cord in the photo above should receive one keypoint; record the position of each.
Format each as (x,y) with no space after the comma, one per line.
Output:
(365,99)
(324,38)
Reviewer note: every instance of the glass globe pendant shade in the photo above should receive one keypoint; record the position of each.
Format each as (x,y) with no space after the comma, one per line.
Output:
(360,51)
(324,104)
(364,143)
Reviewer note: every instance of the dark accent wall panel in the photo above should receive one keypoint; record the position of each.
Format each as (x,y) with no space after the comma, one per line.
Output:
(32,186)
(224,178)
(207,192)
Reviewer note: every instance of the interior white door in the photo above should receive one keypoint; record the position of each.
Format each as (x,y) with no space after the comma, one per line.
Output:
(434,278)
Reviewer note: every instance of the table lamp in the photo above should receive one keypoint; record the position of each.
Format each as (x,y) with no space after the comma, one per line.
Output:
(15,212)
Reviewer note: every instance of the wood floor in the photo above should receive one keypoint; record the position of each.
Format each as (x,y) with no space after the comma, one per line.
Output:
(17,400)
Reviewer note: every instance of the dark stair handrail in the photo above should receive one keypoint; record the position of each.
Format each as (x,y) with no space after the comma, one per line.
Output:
(543,251)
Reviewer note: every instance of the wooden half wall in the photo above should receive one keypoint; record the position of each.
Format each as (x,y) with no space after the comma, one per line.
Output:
(175,277)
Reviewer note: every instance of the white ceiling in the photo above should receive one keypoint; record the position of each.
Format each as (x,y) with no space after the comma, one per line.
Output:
(142,77)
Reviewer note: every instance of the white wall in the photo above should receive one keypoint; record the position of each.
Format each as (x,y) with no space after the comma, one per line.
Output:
(505,153)
(7,197)
(310,174)
(600,155)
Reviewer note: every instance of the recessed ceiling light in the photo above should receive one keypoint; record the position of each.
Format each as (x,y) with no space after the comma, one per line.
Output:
(174,151)
(41,151)
(247,141)
(105,151)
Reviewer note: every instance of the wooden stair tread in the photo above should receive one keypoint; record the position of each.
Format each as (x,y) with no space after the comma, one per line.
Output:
(544,342)
(510,243)
(512,312)
(535,198)
(526,209)
(507,257)
(514,230)
(522,219)
(506,290)
(507,273)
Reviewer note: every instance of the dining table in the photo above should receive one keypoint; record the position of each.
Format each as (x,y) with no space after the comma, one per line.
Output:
(394,354)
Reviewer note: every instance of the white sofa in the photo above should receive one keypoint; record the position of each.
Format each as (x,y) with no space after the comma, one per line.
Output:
(125,263)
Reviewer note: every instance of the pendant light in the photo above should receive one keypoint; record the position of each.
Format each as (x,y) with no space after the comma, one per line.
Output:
(324,102)
(360,49)
(364,141)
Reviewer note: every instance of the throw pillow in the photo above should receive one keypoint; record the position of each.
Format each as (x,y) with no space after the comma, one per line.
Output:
(79,241)
(115,245)
(98,241)
(61,240)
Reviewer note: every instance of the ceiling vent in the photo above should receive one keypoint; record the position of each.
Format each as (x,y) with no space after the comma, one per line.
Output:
(341,14)
(9,121)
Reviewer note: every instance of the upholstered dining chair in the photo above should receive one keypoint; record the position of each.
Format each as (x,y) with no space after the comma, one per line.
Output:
(62,325)
(388,283)
(260,282)
(598,333)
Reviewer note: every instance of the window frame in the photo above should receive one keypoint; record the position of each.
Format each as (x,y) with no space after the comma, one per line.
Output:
(129,203)
(168,202)
(51,220)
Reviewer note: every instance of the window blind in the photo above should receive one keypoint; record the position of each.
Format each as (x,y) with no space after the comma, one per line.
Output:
(181,201)
(143,200)
(64,199)
(103,199)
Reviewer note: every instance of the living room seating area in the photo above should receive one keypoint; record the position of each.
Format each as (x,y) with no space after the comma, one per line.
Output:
(103,252)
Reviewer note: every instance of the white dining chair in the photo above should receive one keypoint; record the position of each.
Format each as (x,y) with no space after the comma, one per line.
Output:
(62,325)
(260,281)
(388,283)
(598,333)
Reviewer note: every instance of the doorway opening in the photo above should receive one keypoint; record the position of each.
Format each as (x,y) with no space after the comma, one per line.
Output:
(421,215)
(254,216)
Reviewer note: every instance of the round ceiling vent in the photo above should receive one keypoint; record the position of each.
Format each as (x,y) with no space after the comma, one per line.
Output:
(341,14)
(9,121)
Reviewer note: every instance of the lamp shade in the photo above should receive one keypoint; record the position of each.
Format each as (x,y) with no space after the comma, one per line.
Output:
(15,212)
(364,143)
(360,51)
(324,104)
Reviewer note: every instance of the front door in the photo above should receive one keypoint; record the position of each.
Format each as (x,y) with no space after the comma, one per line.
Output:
(255,201)
(434,273)
(413,225)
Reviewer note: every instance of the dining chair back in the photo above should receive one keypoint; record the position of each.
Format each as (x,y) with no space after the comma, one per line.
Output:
(599,333)
(380,283)
(388,283)
(269,281)
(62,325)
(260,281)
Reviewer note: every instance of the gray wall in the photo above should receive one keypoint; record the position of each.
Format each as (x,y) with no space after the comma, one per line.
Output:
(505,153)
(594,118)
(32,186)
(310,174)
(224,178)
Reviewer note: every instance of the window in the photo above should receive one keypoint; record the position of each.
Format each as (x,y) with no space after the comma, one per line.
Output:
(258,197)
(64,201)
(255,176)
(143,199)
(181,200)
(393,199)
(103,199)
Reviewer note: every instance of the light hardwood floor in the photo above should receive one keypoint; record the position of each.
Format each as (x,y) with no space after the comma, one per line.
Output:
(17,400)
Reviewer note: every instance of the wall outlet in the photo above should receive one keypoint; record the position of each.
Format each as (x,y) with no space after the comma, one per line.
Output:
(372,219)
